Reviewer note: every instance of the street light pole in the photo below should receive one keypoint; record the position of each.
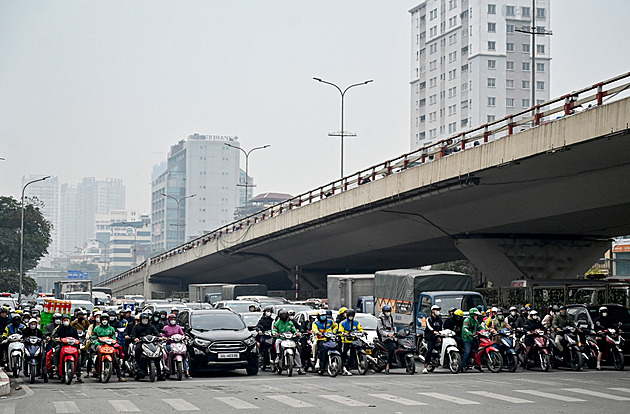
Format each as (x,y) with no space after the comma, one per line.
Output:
(106,245)
(22,233)
(246,169)
(179,200)
(342,133)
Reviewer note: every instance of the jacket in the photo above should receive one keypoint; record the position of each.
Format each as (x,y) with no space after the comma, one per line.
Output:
(281,327)
(101,331)
(434,324)
(265,323)
(80,325)
(454,325)
(32,332)
(470,328)
(319,328)
(139,330)
(560,321)
(50,328)
(346,326)
(170,330)
(385,326)
(65,332)
(602,323)
(10,330)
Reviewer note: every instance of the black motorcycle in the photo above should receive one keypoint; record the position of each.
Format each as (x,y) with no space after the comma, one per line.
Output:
(35,363)
(571,354)
(403,353)
(358,349)
(151,357)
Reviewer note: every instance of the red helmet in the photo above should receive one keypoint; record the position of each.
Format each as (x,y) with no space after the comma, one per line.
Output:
(172,316)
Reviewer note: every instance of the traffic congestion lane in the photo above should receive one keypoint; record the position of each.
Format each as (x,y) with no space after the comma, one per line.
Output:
(534,392)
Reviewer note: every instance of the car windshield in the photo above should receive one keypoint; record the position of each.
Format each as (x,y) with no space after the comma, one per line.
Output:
(287,306)
(265,303)
(615,313)
(167,308)
(251,319)
(463,302)
(368,322)
(224,321)
(238,306)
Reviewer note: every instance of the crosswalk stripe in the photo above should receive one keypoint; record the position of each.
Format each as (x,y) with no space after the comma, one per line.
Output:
(236,403)
(598,394)
(449,398)
(123,405)
(620,389)
(180,405)
(399,400)
(344,400)
(500,397)
(291,402)
(64,407)
(551,396)
(8,409)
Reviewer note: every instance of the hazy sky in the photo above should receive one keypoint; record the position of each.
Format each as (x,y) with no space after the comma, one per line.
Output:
(103,88)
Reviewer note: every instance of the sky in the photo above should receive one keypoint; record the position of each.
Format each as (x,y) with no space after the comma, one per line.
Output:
(104,88)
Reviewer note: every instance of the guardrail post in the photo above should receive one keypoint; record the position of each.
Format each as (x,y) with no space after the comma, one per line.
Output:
(600,95)
(568,105)
(537,116)
(486,134)
(511,126)
(405,163)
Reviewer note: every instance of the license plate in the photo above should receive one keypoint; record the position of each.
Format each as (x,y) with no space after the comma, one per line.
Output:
(368,351)
(229,355)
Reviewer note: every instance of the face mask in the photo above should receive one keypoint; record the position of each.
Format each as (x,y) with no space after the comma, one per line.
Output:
(535,317)
(322,318)
(387,313)
(104,321)
(604,314)
(145,321)
(513,313)
(267,314)
(173,322)
(57,322)
(500,317)
(66,323)
(291,317)
(156,318)
(350,318)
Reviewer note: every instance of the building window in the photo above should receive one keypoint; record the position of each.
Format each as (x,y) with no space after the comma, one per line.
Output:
(452,128)
(492,82)
(509,102)
(452,57)
(525,47)
(540,49)
(509,47)
(452,4)
(433,48)
(442,129)
(433,116)
(464,86)
(422,102)
(540,85)
(432,99)
(452,109)
(525,84)
(525,66)
(540,67)
(492,64)
(509,83)
(432,133)
(525,103)
(433,65)
(433,82)
(509,28)
(491,118)
(452,92)
(492,9)
(465,68)
(492,27)
(464,122)
(525,13)
(492,45)
(433,14)
(509,65)
(433,31)
(509,10)
(492,101)
(452,74)
(422,119)
(452,39)
(452,22)
(540,13)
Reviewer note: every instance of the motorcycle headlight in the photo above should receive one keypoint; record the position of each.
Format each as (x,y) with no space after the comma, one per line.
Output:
(202,342)
(250,341)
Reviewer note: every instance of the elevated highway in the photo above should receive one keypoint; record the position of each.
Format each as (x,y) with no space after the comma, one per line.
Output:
(516,200)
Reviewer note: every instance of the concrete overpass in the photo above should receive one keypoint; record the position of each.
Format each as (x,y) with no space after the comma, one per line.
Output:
(541,202)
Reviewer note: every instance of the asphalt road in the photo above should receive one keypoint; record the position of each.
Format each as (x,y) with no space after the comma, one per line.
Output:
(525,391)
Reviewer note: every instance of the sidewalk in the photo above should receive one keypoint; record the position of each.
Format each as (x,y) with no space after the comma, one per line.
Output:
(5,384)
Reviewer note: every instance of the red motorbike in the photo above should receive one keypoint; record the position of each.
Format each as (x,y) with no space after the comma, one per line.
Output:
(539,355)
(104,363)
(487,353)
(612,348)
(68,358)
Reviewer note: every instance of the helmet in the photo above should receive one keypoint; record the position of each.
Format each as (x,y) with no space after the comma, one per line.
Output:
(386,308)
(104,316)
(156,314)
(172,316)
(127,309)
(291,312)
(459,313)
(283,315)
(4,310)
(533,313)
(473,312)
(174,309)
(16,319)
(528,306)
(96,310)
(603,309)
(342,310)
(268,309)
(121,311)
(452,310)
(494,309)
(512,309)
(136,317)
(57,316)
(523,309)
(97,314)
(144,315)
(80,312)
(328,313)
(436,307)
(321,312)
(350,313)
(112,313)
(163,312)
(555,308)
(32,320)
(65,317)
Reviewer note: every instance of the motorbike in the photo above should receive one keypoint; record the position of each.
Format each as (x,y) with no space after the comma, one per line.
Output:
(539,354)
(68,359)
(571,354)
(504,340)
(445,355)
(612,348)
(486,353)
(590,348)
(286,353)
(360,348)
(15,354)
(103,361)
(34,365)
(265,342)
(174,359)
(151,357)
(332,356)
(403,353)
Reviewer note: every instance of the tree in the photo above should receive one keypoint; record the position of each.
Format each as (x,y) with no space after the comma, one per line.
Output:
(36,234)
(10,282)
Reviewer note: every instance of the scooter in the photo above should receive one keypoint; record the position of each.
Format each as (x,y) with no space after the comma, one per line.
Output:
(487,353)
(571,354)
(265,342)
(360,348)
(539,354)
(590,349)
(504,340)
(447,354)
(332,356)
(34,365)
(403,353)
(104,359)
(151,357)
(285,349)
(68,359)
(15,354)
(174,360)
(612,348)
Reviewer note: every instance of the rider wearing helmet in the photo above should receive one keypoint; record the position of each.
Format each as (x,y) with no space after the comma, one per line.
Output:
(321,326)
(80,323)
(56,321)
(4,318)
(533,323)
(156,322)
(512,316)
(174,311)
(602,323)
(345,327)
(65,331)
(265,324)
(493,314)
(172,328)
(32,329)
(469,329)
(561,321)
(104,330)
(386,330)
(431,332)
(455,323)
(499,322)
(342,315)
(522,319)
(140,330)
(282,325)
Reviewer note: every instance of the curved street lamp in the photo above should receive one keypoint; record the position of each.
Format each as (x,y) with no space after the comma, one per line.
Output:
(22,233)
(179,200)
(246,168)
(342,133)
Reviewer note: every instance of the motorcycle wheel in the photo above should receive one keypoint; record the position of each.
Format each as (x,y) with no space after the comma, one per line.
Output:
(361,363)
(31,374)
(618,361)
(106,371)
(454,362)
(494,362)
(44,370)
(512,363)
(15,366)
(68,372)
(410,364)
(152,371)
(431,367)
(545,364)
(179,366)
(288,363)
(576,360)
(334,365)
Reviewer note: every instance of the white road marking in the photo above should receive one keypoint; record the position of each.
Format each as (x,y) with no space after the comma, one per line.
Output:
(180,405)
(63,407)
(598,394)
(291,402)
(620,389)
(236,403)
(123,405)
(449,398)
(551,396)
(399,400)
(8,409)
(344,400)
(500,397)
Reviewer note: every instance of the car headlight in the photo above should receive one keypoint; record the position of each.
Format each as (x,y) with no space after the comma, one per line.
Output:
(250,341)
(202,342)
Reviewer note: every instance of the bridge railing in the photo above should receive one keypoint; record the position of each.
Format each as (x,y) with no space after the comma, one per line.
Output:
(563,106)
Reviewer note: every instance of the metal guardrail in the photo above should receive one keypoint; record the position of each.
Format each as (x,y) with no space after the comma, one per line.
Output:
(560,107)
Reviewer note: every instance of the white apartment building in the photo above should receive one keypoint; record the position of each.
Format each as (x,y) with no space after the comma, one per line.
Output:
(469,65)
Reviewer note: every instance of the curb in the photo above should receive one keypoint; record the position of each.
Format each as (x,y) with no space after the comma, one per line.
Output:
(5,384)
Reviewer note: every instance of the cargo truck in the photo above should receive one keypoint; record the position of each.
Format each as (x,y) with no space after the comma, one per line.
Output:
(63,287)
(231,292)
(351,291)
(205,292)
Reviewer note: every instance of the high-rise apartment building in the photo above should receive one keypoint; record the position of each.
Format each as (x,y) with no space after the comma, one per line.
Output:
(470,65)
(196,191)
(46,192)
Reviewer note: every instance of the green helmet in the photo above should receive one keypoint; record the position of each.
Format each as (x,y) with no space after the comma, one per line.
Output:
(473,311)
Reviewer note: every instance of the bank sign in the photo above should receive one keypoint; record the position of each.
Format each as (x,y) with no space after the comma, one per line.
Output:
(77,275)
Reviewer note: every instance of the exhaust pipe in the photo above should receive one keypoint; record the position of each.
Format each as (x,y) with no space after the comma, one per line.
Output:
(371,359)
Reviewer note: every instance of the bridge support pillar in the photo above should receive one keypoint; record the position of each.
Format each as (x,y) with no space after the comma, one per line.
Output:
(502,260)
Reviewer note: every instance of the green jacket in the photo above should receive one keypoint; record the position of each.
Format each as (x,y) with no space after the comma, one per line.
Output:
(470,328)
(282,327)
(100,331)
